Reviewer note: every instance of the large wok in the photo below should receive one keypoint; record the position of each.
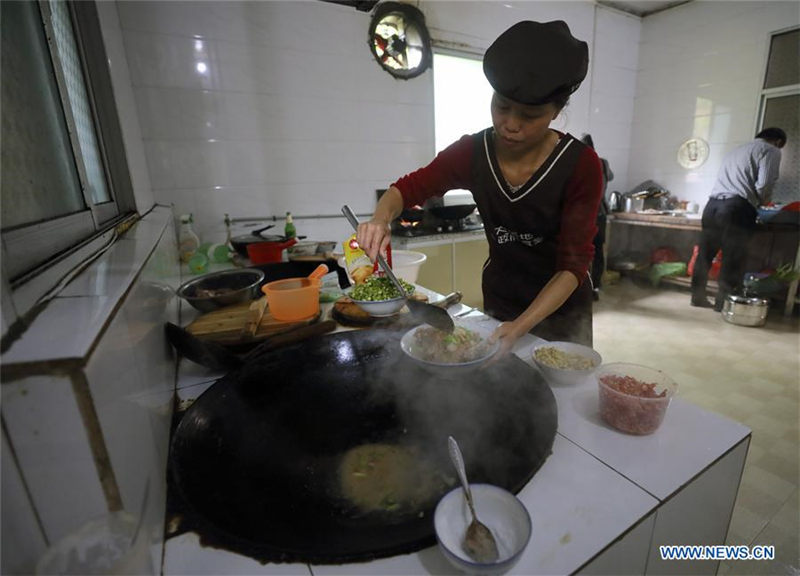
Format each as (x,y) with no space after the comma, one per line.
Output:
(452,212)
(254,461)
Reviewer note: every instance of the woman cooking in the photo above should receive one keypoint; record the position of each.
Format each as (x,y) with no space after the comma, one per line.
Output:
(537,189)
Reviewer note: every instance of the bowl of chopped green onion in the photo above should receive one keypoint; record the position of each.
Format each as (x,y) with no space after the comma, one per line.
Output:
(379,297)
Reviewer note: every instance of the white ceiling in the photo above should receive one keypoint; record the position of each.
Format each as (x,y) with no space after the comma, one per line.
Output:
(642,7)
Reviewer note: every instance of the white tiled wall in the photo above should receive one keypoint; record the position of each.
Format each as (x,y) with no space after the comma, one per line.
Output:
(23,539)
(613,81)
(291,112)
(129,370)
(46,431)
(700,70)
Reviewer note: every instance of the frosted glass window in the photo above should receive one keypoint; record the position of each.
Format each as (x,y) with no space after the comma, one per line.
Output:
(79,101)
(38,176)
(462,97)
(782,111)
(783,67)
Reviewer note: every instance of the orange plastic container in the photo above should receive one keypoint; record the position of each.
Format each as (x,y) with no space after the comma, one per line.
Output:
(293,299)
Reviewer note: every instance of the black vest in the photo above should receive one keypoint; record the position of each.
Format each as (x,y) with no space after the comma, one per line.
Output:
(522,228)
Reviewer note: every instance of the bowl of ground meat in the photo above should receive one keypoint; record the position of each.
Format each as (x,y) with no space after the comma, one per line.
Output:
(465,348)
(634,398)
(565,363)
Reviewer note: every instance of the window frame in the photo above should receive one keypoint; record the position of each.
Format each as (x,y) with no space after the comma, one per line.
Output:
(37,255)
(766,94)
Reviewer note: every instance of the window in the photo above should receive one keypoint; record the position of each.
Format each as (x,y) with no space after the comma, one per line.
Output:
(780,106)
(63,174)
(461,96)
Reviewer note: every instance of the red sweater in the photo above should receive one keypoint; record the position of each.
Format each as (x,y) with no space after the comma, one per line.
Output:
(560,201)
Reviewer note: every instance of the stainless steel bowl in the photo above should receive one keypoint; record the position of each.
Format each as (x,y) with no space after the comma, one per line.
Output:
(219,289)
(745,311)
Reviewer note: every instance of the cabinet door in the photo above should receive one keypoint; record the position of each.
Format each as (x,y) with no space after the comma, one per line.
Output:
(470,259)
(437,272)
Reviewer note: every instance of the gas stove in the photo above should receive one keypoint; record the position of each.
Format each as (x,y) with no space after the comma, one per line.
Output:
(437,227)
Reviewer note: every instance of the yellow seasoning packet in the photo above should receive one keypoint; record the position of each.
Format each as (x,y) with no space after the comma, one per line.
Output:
(359,266)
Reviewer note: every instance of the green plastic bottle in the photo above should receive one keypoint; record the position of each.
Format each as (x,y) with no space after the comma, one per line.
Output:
(289,230)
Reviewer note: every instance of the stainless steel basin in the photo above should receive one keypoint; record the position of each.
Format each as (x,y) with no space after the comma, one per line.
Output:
(745,310)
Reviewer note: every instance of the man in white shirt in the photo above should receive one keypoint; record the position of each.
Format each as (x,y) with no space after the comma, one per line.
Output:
(744,183)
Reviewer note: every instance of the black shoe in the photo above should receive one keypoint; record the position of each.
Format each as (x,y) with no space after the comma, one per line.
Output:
(595,294)
(702,303)
(718,306)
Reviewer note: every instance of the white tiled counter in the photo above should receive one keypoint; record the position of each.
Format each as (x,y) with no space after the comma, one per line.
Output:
(602,502)
(414,242)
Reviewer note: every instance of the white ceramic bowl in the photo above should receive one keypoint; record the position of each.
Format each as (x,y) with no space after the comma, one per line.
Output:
(567,376)
(303,248)
(499,510)
(381,308)
(409,346)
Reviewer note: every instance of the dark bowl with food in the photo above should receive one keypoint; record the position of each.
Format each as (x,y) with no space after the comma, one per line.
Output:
(442,353)
(219,289)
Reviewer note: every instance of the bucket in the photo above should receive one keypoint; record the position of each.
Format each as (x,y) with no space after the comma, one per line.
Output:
(406,264)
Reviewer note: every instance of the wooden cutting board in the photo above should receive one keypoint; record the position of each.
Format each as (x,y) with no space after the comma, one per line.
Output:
(227,325)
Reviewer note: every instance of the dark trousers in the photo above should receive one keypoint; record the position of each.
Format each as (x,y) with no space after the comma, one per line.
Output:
(727,225)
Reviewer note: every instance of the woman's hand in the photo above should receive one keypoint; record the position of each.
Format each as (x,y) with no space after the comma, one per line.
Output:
(507,333)
(373,236)
(552,296)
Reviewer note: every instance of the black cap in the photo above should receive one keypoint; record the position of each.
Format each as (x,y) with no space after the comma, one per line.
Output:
(536,62)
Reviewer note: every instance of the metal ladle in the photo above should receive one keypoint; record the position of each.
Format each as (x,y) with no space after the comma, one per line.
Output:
(478,540)
(427,313)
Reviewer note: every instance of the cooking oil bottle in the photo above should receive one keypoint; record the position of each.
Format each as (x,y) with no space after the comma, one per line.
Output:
(188,241)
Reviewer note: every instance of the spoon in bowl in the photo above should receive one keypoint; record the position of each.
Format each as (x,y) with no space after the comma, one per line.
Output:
(478,540)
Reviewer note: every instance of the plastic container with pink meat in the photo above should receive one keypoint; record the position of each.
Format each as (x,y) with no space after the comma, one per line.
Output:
(634,398)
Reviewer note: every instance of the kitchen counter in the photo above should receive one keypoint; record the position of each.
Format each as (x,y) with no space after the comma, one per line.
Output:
(601,503)
(401,242)
(775,242)
(680,222)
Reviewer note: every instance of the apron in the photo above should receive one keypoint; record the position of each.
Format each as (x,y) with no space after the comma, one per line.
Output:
(522,228)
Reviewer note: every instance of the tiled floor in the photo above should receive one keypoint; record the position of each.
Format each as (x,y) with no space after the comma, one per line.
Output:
(751,375)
